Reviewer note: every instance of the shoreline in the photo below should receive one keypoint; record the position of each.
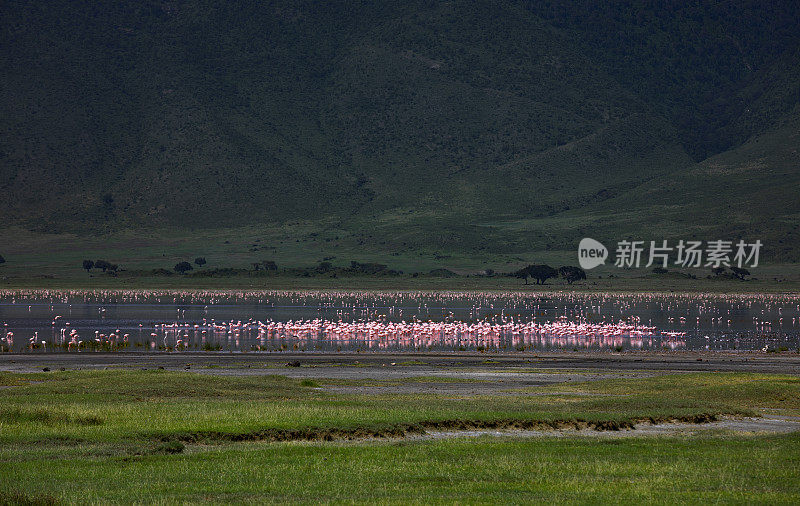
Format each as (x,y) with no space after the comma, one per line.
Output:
(534,290)
(400,364)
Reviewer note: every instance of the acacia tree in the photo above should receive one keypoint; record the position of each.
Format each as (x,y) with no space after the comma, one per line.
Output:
(200,261)
(542,273)
(571,273)
(182,267)
(523,274)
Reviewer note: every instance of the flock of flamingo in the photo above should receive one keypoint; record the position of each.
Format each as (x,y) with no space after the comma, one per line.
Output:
(365,320)
(383,335)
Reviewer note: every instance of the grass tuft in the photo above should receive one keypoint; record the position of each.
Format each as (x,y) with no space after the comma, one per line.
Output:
(45,417)
(16,498)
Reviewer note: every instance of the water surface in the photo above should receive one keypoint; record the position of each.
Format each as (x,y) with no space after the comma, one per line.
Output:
(173,321)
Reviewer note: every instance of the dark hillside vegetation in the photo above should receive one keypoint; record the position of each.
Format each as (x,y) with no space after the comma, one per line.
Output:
(468,126)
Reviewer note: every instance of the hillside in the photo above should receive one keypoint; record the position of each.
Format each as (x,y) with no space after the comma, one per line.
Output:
(461,126)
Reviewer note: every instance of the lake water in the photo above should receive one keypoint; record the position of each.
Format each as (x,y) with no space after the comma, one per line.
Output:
(173,321)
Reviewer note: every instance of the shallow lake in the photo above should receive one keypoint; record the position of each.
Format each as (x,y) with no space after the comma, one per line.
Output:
(42,321)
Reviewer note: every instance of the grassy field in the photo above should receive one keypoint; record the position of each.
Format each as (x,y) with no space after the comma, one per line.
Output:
(54,261)
(651,283)
(575,470)
(117,435)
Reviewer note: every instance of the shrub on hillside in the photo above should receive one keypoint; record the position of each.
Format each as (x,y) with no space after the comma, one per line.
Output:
(182,267)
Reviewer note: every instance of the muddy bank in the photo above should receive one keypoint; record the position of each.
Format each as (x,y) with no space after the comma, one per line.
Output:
(410,373)
(446,429)
(317,364)
(747,425)
(423,427)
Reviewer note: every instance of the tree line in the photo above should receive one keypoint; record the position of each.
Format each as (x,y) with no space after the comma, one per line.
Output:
(103,265)
(542,272)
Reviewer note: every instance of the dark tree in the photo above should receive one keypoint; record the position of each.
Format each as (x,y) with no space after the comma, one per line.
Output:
(739,272)
(324,267)
(102,264)
(2,260)
(200,261)
(269,265)
(523,274)
(183,267)
(256,265)
(571,273)
(718,270)
(541,273)
(113,268)
(88,264)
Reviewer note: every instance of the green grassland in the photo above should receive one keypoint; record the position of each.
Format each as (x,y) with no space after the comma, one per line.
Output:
(54,261)
(157,436)
(657,471)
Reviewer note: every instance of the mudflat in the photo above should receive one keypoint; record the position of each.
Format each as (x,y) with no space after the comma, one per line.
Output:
(389,365)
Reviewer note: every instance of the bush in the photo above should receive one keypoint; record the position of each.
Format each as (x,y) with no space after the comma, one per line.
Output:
(443,273)
(739,272)
(168,447)
(571,273)
(102,264)
(541,273)
(182,267)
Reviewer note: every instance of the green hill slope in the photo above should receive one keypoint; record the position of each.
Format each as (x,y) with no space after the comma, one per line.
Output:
(747,192)
(468,126)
